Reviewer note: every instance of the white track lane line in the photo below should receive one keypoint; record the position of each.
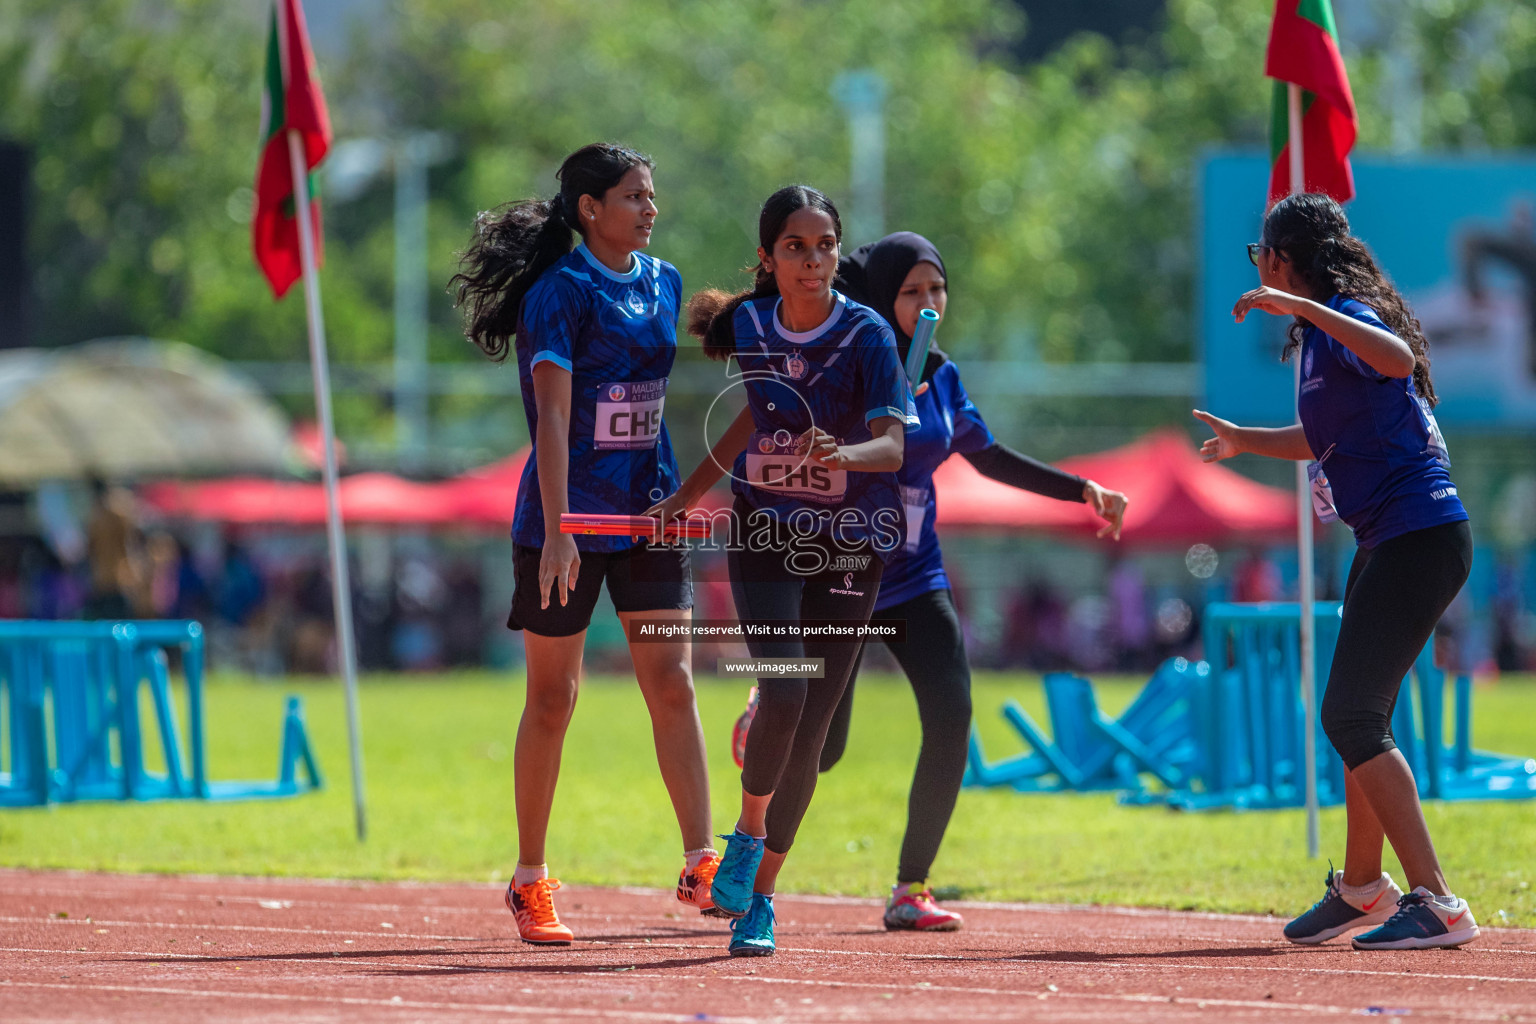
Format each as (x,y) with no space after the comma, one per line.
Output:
(1003,961)
(912,990)
(473,890)
(1014,937)
(1001,957)
(1046,908)
(394,1003)
(386,933)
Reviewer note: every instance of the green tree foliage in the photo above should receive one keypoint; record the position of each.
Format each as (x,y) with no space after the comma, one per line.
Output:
(1062,193)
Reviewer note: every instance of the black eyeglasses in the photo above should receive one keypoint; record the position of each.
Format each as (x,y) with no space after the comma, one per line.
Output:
(1254,248)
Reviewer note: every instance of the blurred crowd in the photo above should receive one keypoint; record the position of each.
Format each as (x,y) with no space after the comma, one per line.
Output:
(264,598)
(429,601)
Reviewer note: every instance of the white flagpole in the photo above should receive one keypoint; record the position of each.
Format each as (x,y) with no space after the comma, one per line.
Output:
(1304,546)
(341,585)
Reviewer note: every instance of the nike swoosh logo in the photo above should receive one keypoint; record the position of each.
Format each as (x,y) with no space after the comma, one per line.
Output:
(1452,922)
(1368,906)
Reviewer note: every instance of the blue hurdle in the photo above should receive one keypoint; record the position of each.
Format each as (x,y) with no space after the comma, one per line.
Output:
(1088,750)
(72,726)
(1249,722)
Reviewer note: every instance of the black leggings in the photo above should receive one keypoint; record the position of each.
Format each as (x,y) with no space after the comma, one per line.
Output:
(784,743)
(933,657)
(1395,594)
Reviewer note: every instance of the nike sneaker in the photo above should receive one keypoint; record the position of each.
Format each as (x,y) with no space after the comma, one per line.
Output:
(1333,915)
(1423,921)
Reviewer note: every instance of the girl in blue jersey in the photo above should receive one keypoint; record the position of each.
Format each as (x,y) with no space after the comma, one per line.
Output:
(814,458)
(1381,467)
(595,329)
(899,276)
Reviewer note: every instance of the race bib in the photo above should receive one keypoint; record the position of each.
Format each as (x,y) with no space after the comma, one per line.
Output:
(1437,446)
(774,465)
(916,501)
(1322,494)
(629,414)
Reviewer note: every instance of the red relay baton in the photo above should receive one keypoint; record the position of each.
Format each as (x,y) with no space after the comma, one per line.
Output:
(599,525)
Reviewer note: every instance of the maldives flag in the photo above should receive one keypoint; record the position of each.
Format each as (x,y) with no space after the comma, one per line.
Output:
(290,101)
(1304,48)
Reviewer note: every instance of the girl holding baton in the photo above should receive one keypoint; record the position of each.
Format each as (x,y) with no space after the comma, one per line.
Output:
(900,276)
(817,510)
(595,330)
(1381,466)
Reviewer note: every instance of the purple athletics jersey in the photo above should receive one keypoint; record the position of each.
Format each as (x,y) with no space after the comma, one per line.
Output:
(1383,464)
(950,424)
(838,376)
(617,335)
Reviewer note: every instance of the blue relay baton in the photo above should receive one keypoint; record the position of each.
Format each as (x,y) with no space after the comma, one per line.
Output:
(922,337)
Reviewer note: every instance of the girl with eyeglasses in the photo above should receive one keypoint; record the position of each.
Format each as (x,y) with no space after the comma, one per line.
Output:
(1382,467)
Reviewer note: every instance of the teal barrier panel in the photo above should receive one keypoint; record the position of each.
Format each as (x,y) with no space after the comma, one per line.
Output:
(73,731)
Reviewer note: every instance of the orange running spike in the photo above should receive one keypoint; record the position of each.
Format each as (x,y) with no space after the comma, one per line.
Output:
(534,907)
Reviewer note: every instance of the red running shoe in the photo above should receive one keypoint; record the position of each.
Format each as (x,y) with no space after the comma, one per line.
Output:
(739,731)
(914,910)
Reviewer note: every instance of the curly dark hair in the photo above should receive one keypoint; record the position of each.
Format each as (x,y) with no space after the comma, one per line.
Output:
(710,311)
(516,243)
(1312,232)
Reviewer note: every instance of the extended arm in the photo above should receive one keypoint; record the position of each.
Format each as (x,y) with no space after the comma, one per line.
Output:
(880,454)
(1231,439)
(560,560)
(1006,466)
(1381,350)
(715,465)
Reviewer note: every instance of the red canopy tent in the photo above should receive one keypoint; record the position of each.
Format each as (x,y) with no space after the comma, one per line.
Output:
(1175,498)
(480,498)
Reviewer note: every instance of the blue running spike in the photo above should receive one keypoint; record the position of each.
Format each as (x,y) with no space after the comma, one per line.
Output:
(737,873)
(752,935)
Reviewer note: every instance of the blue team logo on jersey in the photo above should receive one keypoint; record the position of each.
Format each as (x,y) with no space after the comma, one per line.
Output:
(635,303)
(795,367)
(1306,364)
(765,445)
(616,393)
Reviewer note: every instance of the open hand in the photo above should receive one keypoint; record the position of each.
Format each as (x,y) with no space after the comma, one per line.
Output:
(1225,444)
(558,565)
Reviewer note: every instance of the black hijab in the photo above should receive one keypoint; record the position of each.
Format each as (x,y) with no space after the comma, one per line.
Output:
(873,275)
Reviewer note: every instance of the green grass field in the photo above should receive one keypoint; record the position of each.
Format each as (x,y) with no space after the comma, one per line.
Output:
(439,778)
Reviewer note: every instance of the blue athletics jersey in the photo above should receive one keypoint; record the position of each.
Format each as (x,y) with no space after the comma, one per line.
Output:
(617,335)
(838,376)
(1383,463)
(949,424)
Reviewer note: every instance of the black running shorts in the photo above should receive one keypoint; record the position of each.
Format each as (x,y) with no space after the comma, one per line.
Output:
(640,579)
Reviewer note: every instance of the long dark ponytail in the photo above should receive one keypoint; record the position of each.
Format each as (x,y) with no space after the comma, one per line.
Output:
(1312,232)
(516,243)
(711,311)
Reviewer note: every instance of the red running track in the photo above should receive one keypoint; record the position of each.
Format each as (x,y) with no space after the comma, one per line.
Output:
(88,947)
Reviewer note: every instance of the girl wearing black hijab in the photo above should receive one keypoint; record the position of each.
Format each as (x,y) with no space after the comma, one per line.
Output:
(899,276)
